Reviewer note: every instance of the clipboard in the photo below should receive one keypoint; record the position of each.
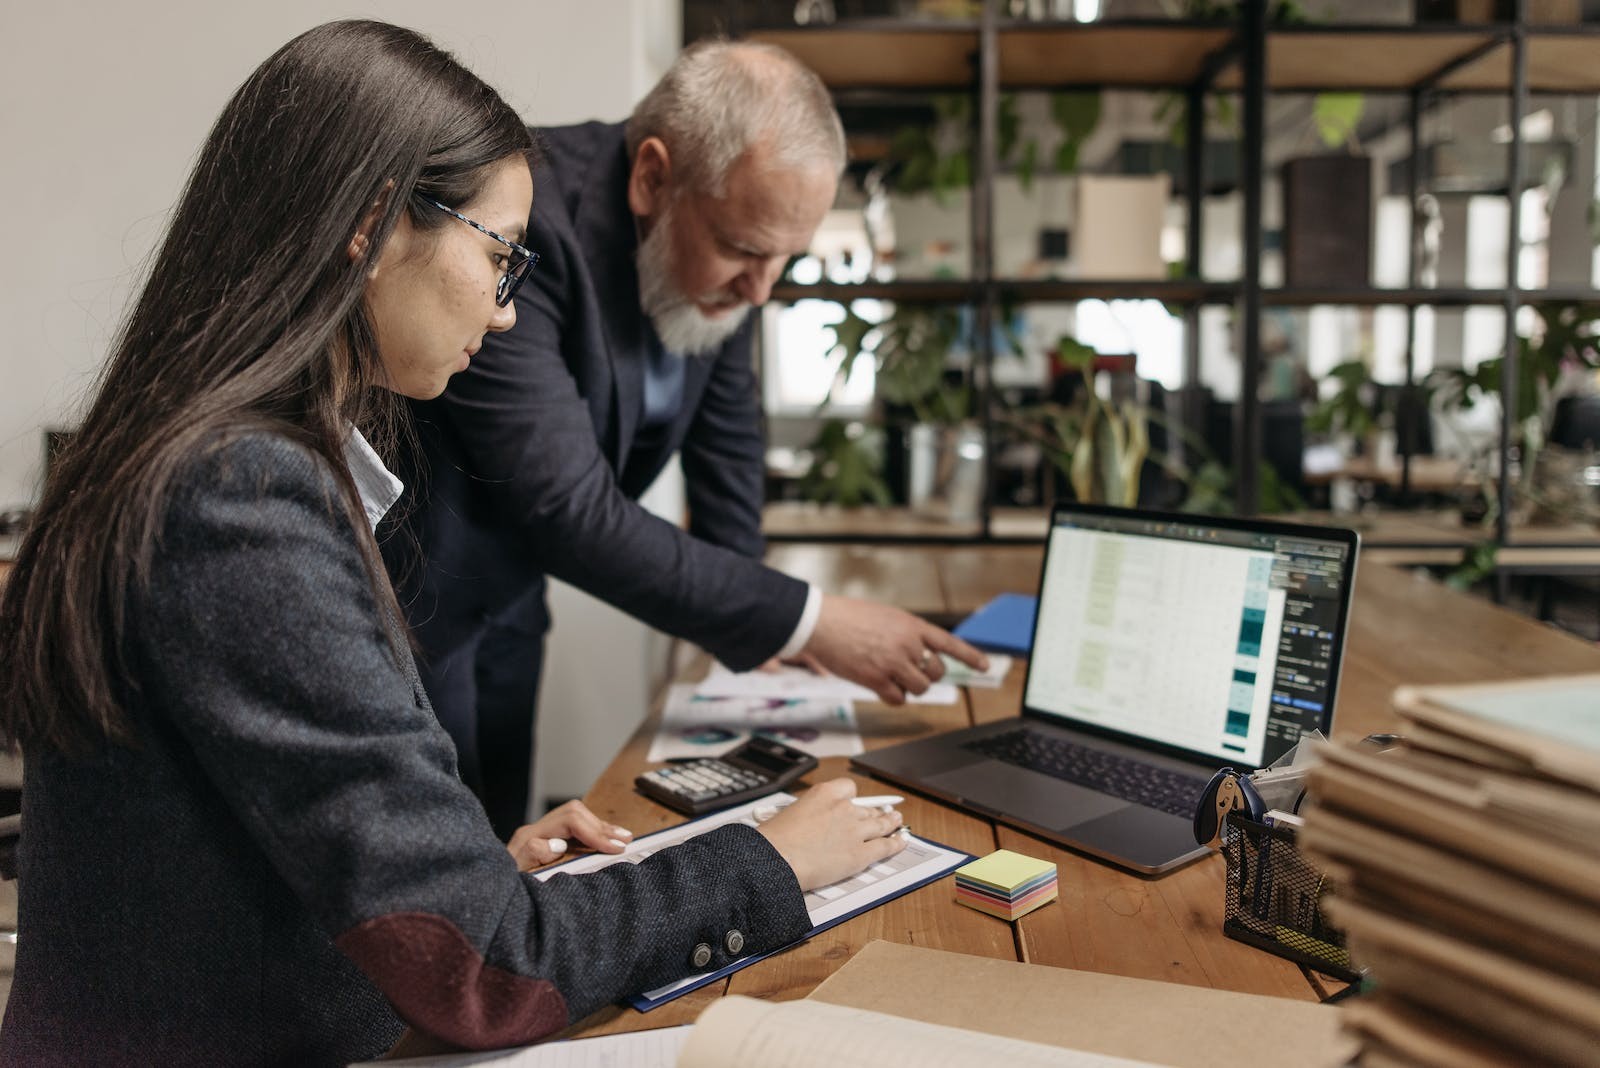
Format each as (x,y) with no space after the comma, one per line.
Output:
(920,863)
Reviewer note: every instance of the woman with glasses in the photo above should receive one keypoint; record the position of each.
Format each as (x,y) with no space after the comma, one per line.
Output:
(243,837)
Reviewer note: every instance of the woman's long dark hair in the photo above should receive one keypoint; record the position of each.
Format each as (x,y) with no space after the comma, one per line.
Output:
(252,318)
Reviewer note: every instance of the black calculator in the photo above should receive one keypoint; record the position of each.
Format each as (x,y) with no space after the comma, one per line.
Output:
(759,767)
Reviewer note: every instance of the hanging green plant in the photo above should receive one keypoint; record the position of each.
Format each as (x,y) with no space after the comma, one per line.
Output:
(1336,116)
(940,158)
(1076,115)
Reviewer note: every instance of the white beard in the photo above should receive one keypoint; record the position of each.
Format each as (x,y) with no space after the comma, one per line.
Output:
(682,327)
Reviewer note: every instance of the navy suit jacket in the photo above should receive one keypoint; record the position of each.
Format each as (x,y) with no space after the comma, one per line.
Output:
(529,464)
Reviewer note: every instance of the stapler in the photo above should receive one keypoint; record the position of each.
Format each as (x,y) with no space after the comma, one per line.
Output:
(1228,790)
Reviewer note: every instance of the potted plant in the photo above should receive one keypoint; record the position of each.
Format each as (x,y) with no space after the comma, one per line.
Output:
(1098,443)
(912,352)
(1566,340)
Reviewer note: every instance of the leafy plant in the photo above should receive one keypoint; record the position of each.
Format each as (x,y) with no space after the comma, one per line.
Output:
(1172,110)
(1478,562)
(1212,490)
(1098,444)
(1568,337)
(1076,115)
(845,469)
(1336,116)
(911,348)
(1349,409)
(941,158)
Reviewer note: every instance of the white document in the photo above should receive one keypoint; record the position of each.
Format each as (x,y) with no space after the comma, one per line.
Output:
(696,725)
(799,682)
(638,1049)
(917,861)
(738,1031)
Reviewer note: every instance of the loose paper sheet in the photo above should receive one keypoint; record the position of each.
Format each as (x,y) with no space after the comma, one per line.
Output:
(694,725)
(735,1032)
(799,682)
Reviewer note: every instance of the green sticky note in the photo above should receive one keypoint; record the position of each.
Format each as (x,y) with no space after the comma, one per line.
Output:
(1004,869)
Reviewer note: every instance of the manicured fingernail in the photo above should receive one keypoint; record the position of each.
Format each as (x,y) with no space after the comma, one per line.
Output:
(622,832)
(763,813)
(619,845)
(558,845)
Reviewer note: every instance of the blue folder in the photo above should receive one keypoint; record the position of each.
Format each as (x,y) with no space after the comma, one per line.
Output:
(1004,625)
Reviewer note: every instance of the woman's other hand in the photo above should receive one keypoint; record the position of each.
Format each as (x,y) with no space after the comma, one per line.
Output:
(573,824)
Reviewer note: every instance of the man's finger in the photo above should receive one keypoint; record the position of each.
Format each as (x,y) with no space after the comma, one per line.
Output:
(942,641)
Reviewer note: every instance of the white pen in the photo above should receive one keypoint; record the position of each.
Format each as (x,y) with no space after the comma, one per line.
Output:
(880,801)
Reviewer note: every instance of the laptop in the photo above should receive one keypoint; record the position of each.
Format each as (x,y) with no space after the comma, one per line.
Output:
(1164,648)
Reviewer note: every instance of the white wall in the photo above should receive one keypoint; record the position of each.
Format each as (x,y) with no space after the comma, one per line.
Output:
(106,103)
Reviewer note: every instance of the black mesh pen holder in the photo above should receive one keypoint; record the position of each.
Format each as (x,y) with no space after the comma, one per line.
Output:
(1274,898)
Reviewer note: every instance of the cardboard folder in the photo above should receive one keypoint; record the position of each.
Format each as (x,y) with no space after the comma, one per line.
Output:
(1143,1020)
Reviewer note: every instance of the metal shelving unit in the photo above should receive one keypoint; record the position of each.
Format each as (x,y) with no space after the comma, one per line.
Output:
(1252,58)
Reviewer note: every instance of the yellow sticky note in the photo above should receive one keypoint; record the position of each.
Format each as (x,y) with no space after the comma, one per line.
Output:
(1005,870)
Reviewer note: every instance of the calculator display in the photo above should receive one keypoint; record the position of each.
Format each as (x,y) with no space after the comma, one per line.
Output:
(764,759)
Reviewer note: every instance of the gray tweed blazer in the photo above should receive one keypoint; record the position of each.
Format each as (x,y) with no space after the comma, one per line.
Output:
(285,868)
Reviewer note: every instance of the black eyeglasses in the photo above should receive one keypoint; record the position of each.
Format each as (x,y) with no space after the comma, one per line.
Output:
(522,259)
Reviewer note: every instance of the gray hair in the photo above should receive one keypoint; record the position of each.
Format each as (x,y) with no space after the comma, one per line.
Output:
(721,97)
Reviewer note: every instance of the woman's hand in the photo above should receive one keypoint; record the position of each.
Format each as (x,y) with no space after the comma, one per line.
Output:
(549,837)
(825,837)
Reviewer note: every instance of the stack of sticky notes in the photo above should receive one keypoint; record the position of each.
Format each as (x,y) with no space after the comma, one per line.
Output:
(1006,884)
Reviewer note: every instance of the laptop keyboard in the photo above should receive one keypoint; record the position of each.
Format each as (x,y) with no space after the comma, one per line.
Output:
(1130,780)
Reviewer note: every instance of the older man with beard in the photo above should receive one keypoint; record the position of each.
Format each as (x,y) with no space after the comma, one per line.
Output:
(632,343)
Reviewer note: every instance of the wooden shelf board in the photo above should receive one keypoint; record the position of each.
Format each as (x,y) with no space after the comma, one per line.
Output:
(1108,56)
(1566,63)
(912,57)
(1032,290)
(1358,60)
(936,57)
(909,289)
(1073,289)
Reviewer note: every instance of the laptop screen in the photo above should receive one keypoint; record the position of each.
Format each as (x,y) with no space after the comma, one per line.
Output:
(1219,638)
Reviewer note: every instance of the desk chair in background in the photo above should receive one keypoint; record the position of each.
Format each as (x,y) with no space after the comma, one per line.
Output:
(1283,438)
(1576,423)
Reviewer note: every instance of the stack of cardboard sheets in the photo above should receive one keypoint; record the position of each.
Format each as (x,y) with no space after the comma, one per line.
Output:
(1465,867)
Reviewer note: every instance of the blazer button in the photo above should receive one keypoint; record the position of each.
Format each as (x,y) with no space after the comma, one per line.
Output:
(734,942)
(701,956)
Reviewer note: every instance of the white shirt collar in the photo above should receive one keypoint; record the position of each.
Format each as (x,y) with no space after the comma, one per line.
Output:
(375,483)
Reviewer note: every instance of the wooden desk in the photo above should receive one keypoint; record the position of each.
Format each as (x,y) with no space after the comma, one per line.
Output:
(1429,474)
(1405,629)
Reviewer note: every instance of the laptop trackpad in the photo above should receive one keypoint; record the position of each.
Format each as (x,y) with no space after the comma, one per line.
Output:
(1025,795)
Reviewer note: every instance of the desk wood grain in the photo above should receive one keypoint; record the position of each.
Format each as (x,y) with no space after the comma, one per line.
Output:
(1404,630)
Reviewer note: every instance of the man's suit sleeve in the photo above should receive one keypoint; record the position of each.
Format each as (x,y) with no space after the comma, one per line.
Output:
(723,455)
(527,431)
